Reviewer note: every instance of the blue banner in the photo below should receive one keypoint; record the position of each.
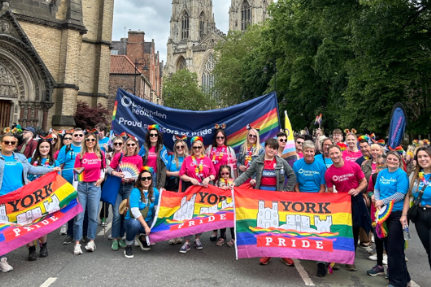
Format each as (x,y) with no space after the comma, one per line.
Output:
(397,126)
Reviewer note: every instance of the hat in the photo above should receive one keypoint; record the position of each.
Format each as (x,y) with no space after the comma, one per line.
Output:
(30,129)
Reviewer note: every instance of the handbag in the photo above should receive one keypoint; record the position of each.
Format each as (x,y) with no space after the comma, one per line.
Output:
(111,187)
(413,212)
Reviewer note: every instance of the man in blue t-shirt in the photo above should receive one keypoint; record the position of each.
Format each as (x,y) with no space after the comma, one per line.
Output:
(103,139)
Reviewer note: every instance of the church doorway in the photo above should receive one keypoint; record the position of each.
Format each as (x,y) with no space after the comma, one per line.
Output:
(5,112)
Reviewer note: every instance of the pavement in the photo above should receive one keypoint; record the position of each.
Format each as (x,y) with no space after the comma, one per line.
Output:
(165,266)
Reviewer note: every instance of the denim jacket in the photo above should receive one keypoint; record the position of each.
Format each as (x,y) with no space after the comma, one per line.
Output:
(27,167)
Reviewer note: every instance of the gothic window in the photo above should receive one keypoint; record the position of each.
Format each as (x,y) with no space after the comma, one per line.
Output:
(207,76)
(245,15)
(181,64)
(202,25)
(185,26)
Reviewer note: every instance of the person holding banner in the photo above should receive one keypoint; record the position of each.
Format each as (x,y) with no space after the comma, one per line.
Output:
(271,171)
(132,161)
(154,154)
(142,206)
(197,169)
(91,160)
(347,176)
(250,150)
(14,171)
(390,189)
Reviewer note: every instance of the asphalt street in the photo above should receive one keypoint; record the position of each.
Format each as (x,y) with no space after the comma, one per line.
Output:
(165,266)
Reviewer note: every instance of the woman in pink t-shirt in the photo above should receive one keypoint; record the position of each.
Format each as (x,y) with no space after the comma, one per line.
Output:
(351,153)
(90,165)
(221,154)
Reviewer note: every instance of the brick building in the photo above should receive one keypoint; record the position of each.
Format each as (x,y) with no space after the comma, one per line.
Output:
(53,53)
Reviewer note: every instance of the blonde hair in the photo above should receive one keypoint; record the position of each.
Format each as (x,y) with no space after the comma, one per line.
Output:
(84,148)
(125,147)
(245,146)
(186,151)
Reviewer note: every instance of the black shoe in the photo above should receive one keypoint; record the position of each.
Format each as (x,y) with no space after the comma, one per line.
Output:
(143,243)
(67,240)
(128,252)
(32,253)
(43,250)
(321,269)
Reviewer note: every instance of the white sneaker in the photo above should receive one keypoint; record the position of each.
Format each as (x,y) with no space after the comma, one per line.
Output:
(91,246)
(385,259)
(63,229)
(373,257)
(4,266)
(136,242)
(77,249)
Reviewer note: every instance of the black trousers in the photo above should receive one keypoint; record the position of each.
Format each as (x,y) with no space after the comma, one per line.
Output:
(423,227)
(398,274)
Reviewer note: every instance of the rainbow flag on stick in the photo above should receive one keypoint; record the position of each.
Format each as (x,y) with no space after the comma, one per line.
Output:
(289,149)
(36,209)
(197,210)
(296,225)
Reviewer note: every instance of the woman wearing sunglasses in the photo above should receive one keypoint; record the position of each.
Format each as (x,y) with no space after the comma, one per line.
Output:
(143,202)
(250,150)
(197,169)
(64,140)
(14,171)
(91,160)
(129,156)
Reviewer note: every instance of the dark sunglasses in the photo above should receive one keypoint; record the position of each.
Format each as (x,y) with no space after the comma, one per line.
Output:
(154,135)
(299,142)
(119,144)
(197,147)
(9,142)
(282,140)
(179,147)
(252,136)
(131,144)
(68,138)
(144,178)
(220,138)
(90,140)
(78,135)
(224,173)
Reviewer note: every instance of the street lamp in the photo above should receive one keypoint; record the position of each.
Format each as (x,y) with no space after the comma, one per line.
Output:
(144,67)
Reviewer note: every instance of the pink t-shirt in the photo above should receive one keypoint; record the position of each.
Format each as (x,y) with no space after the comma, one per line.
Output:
(204,168)
(351,155)
(134,159)
(344,178)
(152,158)
(92,166)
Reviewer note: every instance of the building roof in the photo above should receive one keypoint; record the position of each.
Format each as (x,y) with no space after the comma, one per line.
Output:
(121,64)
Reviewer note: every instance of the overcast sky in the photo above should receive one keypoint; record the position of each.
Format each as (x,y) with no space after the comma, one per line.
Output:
(153,17)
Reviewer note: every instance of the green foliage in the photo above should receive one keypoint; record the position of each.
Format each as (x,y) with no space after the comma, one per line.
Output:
(181,91)
(87,117)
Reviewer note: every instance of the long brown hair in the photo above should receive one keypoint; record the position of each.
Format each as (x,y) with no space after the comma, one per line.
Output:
(418,168)
(84,149)
(139,186)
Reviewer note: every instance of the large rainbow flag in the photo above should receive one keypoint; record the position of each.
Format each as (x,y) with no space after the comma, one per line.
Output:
(36,209)
(297,225)
(133,115)
(197,210)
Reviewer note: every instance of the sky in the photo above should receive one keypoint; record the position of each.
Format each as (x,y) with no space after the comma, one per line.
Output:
(153,18)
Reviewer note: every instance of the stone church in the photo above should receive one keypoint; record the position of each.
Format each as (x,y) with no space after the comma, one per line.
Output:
(193,34)
(53,53)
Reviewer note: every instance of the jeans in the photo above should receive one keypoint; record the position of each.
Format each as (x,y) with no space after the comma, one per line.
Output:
(89,197)
(117,219)
(133,228)
(423,227)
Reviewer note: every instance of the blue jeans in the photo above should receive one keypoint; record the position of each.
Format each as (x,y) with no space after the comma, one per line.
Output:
(117,219)
(89,197)
(133,227)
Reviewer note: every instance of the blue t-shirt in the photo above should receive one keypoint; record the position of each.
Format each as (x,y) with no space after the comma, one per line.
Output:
(32,177)
(388,183)
(426,197)
(327,161)
(12,175)
(103,141)
(135,201)
(172,163)
(68,160)
(309,175)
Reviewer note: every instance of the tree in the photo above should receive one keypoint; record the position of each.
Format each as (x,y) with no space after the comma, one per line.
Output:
(181,91)
(87,117)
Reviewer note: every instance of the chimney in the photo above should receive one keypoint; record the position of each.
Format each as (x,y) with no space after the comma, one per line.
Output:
(135,45)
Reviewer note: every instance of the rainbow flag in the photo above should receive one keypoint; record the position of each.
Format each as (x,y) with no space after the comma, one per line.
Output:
(36,209)
(297,225)
(197,210)
(290,148)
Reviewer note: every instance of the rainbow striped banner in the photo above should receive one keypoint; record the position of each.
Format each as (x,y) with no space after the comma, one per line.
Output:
(295,225)
(197,210)
(36,209)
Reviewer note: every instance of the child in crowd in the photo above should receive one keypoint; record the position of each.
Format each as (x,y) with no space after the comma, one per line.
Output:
(225,182)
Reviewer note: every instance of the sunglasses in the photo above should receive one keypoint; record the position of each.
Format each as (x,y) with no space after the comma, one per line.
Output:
(299,142)
(79,135)
(118,144)
(144,178)
(252,136)
(220,138)
(179,147)
(282,140)
(131,144)
(9,142)
(224,173)
(68,138)
(197,147)
(153,135)
(90,140)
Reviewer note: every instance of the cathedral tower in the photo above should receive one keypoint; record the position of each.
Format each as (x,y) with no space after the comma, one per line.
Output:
(243,13)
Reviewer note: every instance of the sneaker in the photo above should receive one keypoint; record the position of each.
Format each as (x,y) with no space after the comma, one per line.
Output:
(67,240)
(91,246)
(77,249)
(321,269)
(385,259)
(198,244)
(351,267)
(114,245)
(103,222)
(43,252)
(122,243)
(84,239)
(288,261)
(373,257)
(172,241)
(136,242)
(32,256)
(376,270)
(63,229)
(143,243)
(264,260)
(128,252)
(185,248)
(4,266)
(369,249)
(179,240)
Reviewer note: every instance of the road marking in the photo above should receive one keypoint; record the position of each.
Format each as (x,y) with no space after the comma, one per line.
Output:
(414,284)
(105,229)
(49,281)
(303,273)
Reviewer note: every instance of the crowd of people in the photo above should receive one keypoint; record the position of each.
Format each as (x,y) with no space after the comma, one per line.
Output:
(374,175)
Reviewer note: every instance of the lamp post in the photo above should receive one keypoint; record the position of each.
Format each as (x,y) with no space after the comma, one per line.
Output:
(144,67)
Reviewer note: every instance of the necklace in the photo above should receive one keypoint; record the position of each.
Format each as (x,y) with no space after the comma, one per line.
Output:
(199,168)
(248,156)
(217,156)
